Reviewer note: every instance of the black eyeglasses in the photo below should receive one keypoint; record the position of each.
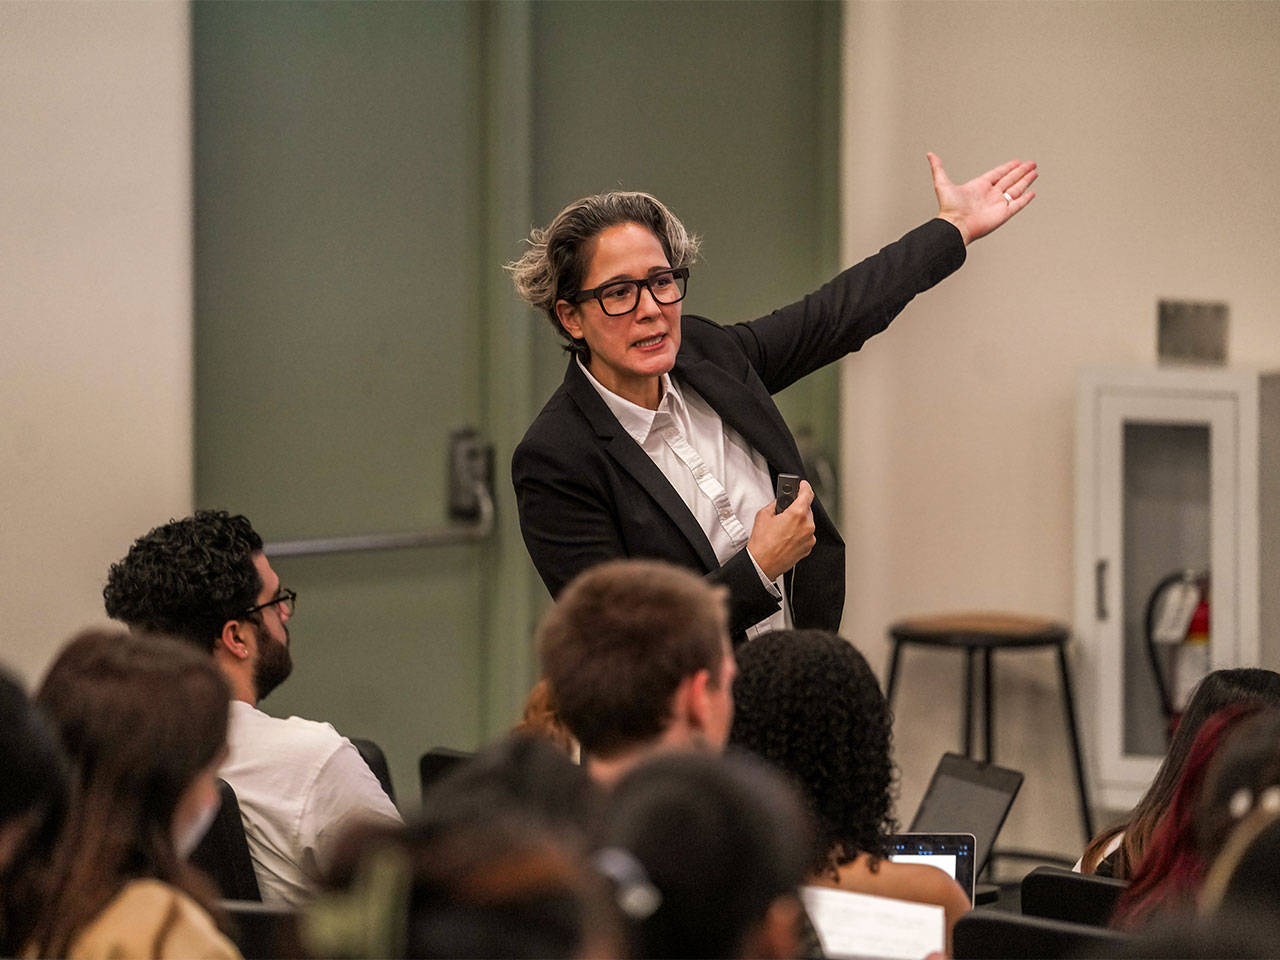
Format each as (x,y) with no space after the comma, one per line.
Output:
(286,601)
(621,296)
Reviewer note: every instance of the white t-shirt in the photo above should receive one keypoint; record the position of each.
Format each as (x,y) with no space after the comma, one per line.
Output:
(300,785)
(1112,846)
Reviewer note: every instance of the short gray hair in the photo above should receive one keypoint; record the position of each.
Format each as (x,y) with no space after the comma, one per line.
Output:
(556,262)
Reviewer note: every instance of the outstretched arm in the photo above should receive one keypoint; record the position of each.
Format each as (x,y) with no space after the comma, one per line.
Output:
(984,203)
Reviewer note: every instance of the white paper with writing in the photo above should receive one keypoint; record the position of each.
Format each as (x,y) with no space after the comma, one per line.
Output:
(857,925)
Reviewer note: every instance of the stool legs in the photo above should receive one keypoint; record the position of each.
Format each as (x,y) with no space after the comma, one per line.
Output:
(968,701)
(1069,702)
(988,706)
(893,674)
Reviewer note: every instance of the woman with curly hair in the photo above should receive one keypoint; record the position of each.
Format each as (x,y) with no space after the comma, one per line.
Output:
(807,702)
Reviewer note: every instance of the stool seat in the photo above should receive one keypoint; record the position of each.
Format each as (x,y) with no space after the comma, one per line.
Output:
(981,630)
(984,632)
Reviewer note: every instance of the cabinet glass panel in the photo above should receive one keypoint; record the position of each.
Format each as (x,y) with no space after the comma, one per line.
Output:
(1166,529)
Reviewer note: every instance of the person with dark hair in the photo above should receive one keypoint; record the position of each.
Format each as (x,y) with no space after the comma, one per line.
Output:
(33,794)
(719,843)
(144,722)
(495,886)
(637,658)
(663,441)
(495,866)
(522,773)
(807,702)
(1241,880)
(1117,850)
(1166,880)
(206,580)
(1243,778)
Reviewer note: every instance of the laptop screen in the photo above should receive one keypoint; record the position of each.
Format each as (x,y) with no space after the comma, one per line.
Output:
(970,797)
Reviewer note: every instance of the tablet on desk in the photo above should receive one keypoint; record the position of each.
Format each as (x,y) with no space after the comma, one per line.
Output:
(953,853)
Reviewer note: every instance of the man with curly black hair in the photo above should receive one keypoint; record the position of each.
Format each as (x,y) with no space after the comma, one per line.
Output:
(205,579)
(638,659)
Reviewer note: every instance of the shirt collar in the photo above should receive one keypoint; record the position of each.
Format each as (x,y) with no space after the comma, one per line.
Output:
(635,419)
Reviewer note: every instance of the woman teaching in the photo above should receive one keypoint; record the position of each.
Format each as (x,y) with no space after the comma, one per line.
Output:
(663,440)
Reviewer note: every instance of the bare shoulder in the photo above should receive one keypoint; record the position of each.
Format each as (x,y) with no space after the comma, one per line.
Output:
(917,882)
(936,884)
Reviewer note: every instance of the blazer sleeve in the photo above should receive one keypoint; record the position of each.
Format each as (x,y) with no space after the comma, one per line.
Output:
(846,311)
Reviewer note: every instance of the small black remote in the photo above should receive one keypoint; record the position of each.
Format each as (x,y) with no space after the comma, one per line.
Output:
(788,487)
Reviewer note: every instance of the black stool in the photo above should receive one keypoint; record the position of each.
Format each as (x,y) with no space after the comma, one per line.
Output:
(972,632)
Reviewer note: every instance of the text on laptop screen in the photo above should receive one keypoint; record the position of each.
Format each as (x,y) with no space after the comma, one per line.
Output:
(943,861)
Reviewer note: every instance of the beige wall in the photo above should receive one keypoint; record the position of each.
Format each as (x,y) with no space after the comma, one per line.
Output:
(1156,129)
(95,303)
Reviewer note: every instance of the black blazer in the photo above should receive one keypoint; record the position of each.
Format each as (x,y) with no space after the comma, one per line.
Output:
(587,492)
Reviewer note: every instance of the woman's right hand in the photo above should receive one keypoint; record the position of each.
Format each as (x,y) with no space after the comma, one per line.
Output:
(779,541)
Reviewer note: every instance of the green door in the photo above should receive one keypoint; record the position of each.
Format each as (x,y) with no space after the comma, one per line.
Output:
(362,170)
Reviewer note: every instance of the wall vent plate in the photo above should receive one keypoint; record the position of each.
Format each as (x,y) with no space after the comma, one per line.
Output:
(1192,331)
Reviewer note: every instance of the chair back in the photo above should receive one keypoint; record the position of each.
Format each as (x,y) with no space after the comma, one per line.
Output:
(377,761)
(989,934)
(1057,894)
(436,762)
(223,853)
(262,932)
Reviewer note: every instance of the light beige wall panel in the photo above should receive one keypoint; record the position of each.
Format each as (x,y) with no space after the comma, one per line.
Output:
(1155,126)
(95,303)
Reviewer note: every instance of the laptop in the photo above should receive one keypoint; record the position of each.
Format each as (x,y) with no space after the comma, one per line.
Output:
(952,853)
(967,796)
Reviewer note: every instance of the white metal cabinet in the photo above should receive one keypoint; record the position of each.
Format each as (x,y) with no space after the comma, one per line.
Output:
(1176,468)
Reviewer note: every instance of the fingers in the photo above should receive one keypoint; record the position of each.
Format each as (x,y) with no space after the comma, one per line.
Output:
(805,496)
(940,177)
(1020,202)
(1017,179)
(996,174)
(778,542)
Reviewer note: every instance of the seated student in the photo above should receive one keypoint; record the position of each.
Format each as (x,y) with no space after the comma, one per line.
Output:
(1238,903)
(541,717)
(1242,784)
(204,579)
(1117,850)
(638,660)
(144,721)
(1168,877)
(709,853)
(494,882)
(33,793)
(807,702)
(525,774)
(1241,879)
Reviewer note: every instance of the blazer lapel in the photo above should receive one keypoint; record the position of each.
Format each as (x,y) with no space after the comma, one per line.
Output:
(756,422)
(632,458)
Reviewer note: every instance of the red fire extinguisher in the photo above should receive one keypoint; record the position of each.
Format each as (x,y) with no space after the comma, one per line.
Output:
(1178,621)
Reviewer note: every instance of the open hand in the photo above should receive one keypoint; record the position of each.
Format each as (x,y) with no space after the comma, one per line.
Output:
(985,202)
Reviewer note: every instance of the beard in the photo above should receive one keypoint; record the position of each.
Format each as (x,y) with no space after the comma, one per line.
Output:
(274,665)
